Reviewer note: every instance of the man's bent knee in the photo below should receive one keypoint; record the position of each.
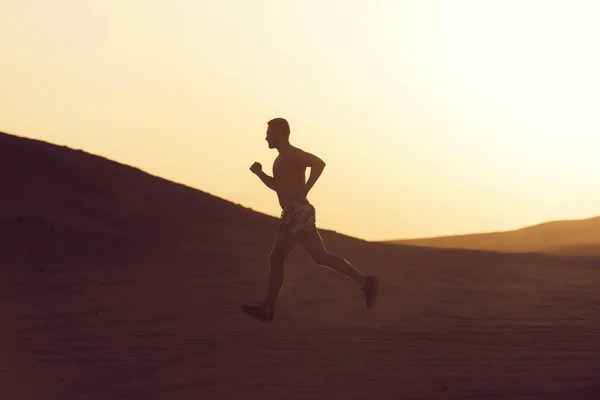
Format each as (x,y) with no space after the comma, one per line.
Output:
(324,258)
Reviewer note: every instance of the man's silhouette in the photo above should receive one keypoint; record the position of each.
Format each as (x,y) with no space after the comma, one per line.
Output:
(297,219)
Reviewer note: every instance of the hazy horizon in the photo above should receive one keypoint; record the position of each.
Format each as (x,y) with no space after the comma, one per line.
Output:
(434,118)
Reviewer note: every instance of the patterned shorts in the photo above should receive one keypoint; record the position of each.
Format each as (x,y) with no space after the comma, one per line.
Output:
(296,217)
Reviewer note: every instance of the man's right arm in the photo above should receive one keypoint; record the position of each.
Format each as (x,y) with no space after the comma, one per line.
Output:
(267,180)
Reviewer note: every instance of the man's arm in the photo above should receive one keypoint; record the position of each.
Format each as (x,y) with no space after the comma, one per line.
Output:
(256,168)
(315,164)
(267,180)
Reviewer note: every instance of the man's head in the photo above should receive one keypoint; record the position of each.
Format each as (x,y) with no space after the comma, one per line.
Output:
(278,132)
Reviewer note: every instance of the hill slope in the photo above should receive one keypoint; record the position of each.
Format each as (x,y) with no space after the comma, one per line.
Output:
(53,193)
(575,237)
(119,285)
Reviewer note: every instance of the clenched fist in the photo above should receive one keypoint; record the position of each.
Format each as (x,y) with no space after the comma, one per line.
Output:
(256,168)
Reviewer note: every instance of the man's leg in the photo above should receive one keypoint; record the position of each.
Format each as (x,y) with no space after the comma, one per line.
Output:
(313,244)
(284,243)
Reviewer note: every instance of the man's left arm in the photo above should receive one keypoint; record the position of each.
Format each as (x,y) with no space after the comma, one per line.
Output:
(316,166)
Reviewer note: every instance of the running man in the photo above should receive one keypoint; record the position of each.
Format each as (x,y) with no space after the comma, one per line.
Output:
(297,219)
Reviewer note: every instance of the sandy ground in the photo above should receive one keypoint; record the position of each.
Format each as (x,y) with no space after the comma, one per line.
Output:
(130,289)
(448,326)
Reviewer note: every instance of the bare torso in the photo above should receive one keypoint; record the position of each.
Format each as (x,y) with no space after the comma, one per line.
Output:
(290,175)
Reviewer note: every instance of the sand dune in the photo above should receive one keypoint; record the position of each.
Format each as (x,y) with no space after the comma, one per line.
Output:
(120,285)
(574,237)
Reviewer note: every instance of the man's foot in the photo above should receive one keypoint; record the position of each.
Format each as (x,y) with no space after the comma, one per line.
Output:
(258,312)
(370,290)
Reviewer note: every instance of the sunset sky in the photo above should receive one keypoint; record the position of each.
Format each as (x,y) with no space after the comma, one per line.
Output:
(434,117)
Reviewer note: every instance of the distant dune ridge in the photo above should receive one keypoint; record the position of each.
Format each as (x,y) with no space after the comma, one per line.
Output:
(116,284)
(572,237)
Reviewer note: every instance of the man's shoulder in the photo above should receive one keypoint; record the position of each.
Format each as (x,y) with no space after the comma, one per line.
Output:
(292,152)
(297,151)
